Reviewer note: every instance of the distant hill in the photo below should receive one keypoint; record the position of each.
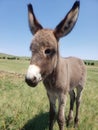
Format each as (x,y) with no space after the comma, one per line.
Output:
(8,56)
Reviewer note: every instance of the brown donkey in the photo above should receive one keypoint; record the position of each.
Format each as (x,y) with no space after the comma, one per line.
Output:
(59,75)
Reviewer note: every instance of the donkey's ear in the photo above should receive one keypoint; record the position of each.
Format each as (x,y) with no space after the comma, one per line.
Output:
(67,24)
(33,23)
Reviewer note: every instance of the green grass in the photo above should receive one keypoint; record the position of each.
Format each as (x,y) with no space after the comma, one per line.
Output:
(25,108)
(18,66)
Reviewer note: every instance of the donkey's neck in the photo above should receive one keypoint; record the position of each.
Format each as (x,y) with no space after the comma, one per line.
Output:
(56,79)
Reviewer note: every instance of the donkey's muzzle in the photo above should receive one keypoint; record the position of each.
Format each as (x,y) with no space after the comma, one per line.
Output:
(33,76)
(31,82)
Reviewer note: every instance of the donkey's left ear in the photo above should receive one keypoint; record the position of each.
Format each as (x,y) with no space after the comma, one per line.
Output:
(67,24)
(33,22)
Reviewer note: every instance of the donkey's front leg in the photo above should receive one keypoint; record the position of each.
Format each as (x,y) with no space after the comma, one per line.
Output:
(61,114)
(52,111)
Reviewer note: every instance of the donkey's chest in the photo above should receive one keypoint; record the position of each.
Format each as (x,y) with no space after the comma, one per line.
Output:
(53,91)
(55,86)
(50,85)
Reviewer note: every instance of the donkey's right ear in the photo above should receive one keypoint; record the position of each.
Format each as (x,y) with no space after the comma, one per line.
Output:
(33,23)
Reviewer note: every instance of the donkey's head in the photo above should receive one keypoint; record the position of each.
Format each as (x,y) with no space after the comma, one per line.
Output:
(44,46)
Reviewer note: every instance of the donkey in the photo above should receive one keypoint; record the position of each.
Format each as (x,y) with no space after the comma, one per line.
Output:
(60,76)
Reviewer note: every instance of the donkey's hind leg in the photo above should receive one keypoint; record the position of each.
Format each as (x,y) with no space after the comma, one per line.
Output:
(78,100)
(72,100)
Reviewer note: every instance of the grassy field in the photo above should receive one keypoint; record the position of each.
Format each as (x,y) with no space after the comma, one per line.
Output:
(25,108)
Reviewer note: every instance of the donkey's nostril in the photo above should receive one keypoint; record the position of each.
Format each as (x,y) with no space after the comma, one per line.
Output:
(34,79)
(31,82)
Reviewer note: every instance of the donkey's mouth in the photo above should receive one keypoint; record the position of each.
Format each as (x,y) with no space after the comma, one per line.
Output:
(31,83)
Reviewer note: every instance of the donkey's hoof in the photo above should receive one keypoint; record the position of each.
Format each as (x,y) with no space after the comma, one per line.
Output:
(69,121)
(76,123)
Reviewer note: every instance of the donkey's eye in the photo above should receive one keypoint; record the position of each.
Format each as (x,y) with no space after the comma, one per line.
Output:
(48,51)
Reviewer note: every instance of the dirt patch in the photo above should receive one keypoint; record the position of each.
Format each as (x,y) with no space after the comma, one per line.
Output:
(11,74)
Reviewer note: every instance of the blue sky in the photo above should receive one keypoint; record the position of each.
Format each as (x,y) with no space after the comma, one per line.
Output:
(15,37)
